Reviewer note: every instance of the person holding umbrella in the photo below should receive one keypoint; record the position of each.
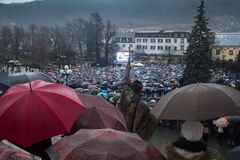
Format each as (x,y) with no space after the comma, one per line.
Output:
(189,145)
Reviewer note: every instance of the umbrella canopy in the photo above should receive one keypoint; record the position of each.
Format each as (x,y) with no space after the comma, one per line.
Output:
(12,152)
(233,154)
(38,110)
(19,78)
(198,102)
(98,114)
(102,144)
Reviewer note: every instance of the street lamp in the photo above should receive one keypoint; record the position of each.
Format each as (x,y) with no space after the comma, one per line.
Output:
(66,71)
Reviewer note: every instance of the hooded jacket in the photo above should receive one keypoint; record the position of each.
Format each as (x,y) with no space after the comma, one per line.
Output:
(175,153)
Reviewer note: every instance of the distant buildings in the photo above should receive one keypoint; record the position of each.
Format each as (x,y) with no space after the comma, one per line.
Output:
(153,42)
(226,46)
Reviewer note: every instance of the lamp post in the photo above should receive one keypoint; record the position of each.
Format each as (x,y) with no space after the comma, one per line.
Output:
(66,71)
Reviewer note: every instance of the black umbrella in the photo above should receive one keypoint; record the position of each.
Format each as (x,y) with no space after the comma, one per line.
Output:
(19,78)
(4,82)
(233,154)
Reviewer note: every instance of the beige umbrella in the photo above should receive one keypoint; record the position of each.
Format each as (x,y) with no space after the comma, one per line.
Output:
(198,102)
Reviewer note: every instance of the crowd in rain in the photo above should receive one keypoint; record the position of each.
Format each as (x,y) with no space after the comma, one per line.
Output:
(157,80)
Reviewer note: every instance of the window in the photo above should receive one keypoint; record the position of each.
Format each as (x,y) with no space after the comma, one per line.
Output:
(138,40)
(124,40)
(144,47)
(182,41)
(130,46)
(230,52)
(218,51)
(175,40)
(160,40)
(153,48)
(153,40)
(117,39)
(145,40)
(168,40)
(123,45)
(130,40)
(175,48)
(138,47)
(167,48)
(182,48)
(160,47)
(188,40)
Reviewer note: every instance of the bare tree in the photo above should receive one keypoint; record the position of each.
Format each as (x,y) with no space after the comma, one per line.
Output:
(17,40)
(97,27)
(5,41)
(110,31)
(43,46)
(80,35)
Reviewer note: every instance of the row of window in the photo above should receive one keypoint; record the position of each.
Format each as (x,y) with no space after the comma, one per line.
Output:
(124,40)
(230,52)
(174,48)
(145,40)
(130,46)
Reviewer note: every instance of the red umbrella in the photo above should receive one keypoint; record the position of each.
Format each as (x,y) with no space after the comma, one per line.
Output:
(103,144)
(98,114)
(35,111)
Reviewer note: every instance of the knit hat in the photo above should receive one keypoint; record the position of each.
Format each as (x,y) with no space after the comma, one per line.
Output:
(192,131)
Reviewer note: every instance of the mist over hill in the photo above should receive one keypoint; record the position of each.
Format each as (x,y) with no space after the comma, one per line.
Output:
(124,13)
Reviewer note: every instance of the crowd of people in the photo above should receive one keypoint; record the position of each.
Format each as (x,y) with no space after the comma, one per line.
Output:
(157,80)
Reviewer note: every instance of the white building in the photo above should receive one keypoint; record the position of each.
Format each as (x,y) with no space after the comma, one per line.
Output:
(153,42)
(163,42)
(125,40)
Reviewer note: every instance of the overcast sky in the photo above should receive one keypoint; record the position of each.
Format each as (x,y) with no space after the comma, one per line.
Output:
(10,1)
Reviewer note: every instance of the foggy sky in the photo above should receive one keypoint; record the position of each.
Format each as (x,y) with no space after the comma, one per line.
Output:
(136,12)
(14,1)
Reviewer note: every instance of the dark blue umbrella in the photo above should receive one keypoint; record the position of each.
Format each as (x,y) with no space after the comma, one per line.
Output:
(20,78)
(233,154)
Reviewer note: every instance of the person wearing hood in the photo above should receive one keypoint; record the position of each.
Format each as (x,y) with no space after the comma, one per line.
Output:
(189,146)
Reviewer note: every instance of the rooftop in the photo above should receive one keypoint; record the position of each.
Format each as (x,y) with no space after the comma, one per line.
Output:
(227,39)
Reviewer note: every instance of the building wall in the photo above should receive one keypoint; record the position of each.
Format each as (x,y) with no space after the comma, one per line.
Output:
(161,45)
(154,43)
(227,53)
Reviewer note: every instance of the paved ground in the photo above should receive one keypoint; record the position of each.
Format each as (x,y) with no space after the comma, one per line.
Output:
(163,135)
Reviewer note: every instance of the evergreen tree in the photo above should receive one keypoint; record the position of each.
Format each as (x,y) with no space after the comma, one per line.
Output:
(198,55)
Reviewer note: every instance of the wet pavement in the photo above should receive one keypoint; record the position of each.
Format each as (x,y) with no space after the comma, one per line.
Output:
(163,135)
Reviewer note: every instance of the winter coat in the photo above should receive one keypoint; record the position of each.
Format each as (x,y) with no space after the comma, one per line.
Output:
(175,153)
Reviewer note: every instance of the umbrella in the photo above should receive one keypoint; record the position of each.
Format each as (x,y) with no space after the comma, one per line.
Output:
(19,78)
(32,112)
(9,151)
(233,154)
(98,114)
(4,82)
(198,102)
(103,144)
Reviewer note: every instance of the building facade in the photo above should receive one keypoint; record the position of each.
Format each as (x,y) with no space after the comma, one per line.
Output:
(226,46)
(161,43)
(125,40)
(154,43)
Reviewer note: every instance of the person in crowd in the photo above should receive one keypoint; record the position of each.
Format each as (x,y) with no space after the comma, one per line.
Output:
(136,113)
(189,146)
(205,133)
(231,123)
